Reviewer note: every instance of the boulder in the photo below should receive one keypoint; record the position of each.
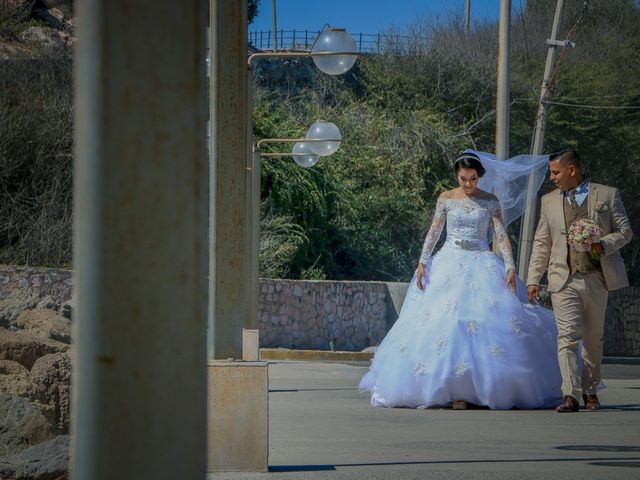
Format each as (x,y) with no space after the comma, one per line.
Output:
(67,307)
(48,302)
(45,323)
(14,304)
(53,16)
(15,379)
(23,425)
(47,461)
(9,367)
(43,36)
(64,5)
(25,348)
(51,379)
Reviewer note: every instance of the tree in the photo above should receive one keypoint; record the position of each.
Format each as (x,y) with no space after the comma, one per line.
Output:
(253,10)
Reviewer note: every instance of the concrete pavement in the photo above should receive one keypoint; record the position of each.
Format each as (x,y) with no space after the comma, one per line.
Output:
(322,428)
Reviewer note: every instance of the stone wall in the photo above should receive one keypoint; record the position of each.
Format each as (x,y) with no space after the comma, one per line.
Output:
(622,327)
(42,281)
(326,314)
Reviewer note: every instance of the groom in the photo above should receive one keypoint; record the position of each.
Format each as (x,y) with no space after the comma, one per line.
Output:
(579,285)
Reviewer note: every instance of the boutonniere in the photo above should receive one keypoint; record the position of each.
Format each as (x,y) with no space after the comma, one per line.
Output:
(601,207)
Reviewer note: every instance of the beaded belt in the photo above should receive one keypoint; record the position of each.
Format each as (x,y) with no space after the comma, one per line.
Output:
(471,244)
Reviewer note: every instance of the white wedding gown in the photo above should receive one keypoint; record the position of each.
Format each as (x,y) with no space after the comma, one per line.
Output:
(467,335)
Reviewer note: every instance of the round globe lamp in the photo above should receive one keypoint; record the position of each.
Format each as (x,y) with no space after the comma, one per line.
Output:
(330,42)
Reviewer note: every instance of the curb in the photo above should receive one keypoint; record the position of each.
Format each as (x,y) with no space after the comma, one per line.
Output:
(621,360)
(288,354)
(328,355)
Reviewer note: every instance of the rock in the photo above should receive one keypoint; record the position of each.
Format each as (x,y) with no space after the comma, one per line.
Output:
(9,367)
(43,36)
(66,308)
(64,5)
(45,323)
(23,425)
(53,16)
(16,302)
(25,349)
(370,349)
(51,378)
(48,302)
(15,380)
(47,461)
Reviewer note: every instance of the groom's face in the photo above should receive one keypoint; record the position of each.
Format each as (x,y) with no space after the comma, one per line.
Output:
(564,174)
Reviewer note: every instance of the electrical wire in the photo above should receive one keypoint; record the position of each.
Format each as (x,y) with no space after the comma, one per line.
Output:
(608,107)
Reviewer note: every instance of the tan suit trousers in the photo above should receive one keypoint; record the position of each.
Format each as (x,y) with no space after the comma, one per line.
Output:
(579,308)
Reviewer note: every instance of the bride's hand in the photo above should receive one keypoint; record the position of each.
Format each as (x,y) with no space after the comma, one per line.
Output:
(421,276)
(511,279)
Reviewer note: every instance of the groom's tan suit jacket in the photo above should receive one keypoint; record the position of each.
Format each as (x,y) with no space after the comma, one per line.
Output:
(550,248)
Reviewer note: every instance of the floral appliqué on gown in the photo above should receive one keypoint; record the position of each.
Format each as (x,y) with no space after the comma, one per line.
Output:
(467,335)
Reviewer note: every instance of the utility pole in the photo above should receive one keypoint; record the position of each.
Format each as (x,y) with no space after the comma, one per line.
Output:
(275,26)
(527,227)
(467,15)
(502,97)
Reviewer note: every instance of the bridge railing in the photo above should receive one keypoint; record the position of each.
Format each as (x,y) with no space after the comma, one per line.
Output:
(372,43)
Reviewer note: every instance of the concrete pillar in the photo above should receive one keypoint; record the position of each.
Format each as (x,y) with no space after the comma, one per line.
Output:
(238,422)
(139,386)
(228,181)
(237,391)
(250,345)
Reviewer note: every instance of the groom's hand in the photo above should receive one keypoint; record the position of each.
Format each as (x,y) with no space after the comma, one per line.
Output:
(598,249)
(533,291)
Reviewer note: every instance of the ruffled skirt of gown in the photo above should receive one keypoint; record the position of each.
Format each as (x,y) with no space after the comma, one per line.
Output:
(467,336)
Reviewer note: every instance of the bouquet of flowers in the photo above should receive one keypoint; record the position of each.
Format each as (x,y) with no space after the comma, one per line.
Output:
(583,234)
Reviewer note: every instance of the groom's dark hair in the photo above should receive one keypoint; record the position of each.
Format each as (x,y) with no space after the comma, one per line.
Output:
(566,156)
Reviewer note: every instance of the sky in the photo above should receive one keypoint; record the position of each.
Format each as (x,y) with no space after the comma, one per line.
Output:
(367,16)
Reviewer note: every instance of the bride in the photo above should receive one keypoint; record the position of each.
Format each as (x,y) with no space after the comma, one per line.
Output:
(464,335)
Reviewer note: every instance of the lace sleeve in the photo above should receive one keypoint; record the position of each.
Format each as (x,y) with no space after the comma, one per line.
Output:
(437,224)
(501,237)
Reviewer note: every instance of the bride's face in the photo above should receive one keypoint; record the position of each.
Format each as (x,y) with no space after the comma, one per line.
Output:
(468,180)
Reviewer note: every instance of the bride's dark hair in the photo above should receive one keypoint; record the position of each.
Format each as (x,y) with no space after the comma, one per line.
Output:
(469,160)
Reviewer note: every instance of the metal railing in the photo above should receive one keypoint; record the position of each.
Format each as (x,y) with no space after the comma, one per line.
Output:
(371,43)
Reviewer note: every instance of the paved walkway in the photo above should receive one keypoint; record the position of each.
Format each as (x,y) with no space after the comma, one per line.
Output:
(322,428)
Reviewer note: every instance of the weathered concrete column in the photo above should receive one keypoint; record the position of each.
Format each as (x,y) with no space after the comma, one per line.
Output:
(238,421)
(139,406)
(228,184)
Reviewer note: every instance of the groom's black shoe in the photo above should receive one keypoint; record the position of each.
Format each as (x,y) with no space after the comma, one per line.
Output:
(570,404)
(591,402)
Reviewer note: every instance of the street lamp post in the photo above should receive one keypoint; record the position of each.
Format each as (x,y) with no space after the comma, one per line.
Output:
(333,52)
(305,154)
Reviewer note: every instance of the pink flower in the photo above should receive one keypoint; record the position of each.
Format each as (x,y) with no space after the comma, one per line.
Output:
(583,233)
(601,206)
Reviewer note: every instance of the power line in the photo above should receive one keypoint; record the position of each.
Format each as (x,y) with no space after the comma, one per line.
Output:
(608,107)
(605,96)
